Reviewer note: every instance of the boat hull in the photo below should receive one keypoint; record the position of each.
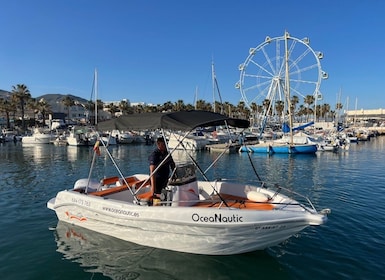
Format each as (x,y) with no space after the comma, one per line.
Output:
(41,139)
(281,149)
(193,143)
(210,231)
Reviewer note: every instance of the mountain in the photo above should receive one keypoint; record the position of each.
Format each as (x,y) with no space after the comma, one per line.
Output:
(4,94)
(55,100)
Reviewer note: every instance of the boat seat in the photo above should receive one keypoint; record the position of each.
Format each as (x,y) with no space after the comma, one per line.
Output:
(234,202)
(138,184)
(132,180)
(110,191)
(115,180)
(134,183)
(109,180)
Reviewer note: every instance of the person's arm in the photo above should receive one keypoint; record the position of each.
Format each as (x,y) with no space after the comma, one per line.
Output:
(152,180)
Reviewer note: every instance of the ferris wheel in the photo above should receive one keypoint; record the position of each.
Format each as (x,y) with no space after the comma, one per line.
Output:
(280,66)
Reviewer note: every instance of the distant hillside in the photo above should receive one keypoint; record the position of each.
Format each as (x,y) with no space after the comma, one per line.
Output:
(4,94)
(54,97)
(55,100)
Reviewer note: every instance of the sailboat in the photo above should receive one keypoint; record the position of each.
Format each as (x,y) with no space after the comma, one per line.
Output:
(222,139)
(84,135)
(287,144)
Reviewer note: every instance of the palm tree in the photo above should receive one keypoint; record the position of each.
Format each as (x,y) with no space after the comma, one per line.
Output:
(255,111)
(125,108)
(243,112)
(228,108)
(21,95)
(309,100)
(138,109)
(301,112)
(168,106)
(279,107)
(293,102)
(218,107)
(266,106)
(179,105)
(68,102)
(325,110)
(189,107)
(44,108)
(200,104)
(112,108)
(7,107)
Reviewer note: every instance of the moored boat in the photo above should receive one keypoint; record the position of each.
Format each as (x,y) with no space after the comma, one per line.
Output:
(39,136)
(81,136)
(213,217)
(190,141)
(122,137)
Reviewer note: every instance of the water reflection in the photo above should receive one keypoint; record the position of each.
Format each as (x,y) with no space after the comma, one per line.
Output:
(118,259)
(75,153)
(38,153)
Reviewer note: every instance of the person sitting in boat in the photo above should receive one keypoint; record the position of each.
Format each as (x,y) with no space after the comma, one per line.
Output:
(160,178)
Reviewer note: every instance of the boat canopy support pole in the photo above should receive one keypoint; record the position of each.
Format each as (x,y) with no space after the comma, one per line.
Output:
(90,172)
(118,169)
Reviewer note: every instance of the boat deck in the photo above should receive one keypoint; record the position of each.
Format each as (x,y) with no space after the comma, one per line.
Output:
(234,202)
(214,201)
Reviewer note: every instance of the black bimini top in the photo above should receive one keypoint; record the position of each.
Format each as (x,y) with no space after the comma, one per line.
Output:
(181,120)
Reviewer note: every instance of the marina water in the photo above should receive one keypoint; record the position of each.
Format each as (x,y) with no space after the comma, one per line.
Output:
(351,245)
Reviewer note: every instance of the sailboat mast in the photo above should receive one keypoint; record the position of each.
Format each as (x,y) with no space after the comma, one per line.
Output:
(338,107)
(96,96)
(216,89)
(355,113)
(287,85)
(213,82)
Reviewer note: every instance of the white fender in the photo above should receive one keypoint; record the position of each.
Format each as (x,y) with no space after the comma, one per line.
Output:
(257,196)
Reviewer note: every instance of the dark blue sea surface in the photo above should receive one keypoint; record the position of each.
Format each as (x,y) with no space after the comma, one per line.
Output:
(351,245)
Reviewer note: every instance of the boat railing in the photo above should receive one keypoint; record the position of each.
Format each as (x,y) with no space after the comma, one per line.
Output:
(300,199)
(289,196)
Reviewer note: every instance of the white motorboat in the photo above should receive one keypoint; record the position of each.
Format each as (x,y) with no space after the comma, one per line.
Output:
(191,141)
(39,136)
(122,137)
(9,135)
(213,217)
(81,136)
(109,139)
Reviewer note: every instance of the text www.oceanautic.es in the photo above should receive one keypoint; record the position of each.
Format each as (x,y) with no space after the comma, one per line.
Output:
(121,211)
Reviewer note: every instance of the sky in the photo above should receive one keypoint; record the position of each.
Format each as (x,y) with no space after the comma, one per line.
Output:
(158,51)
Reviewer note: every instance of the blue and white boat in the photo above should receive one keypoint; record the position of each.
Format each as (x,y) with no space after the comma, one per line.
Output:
(277,148)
